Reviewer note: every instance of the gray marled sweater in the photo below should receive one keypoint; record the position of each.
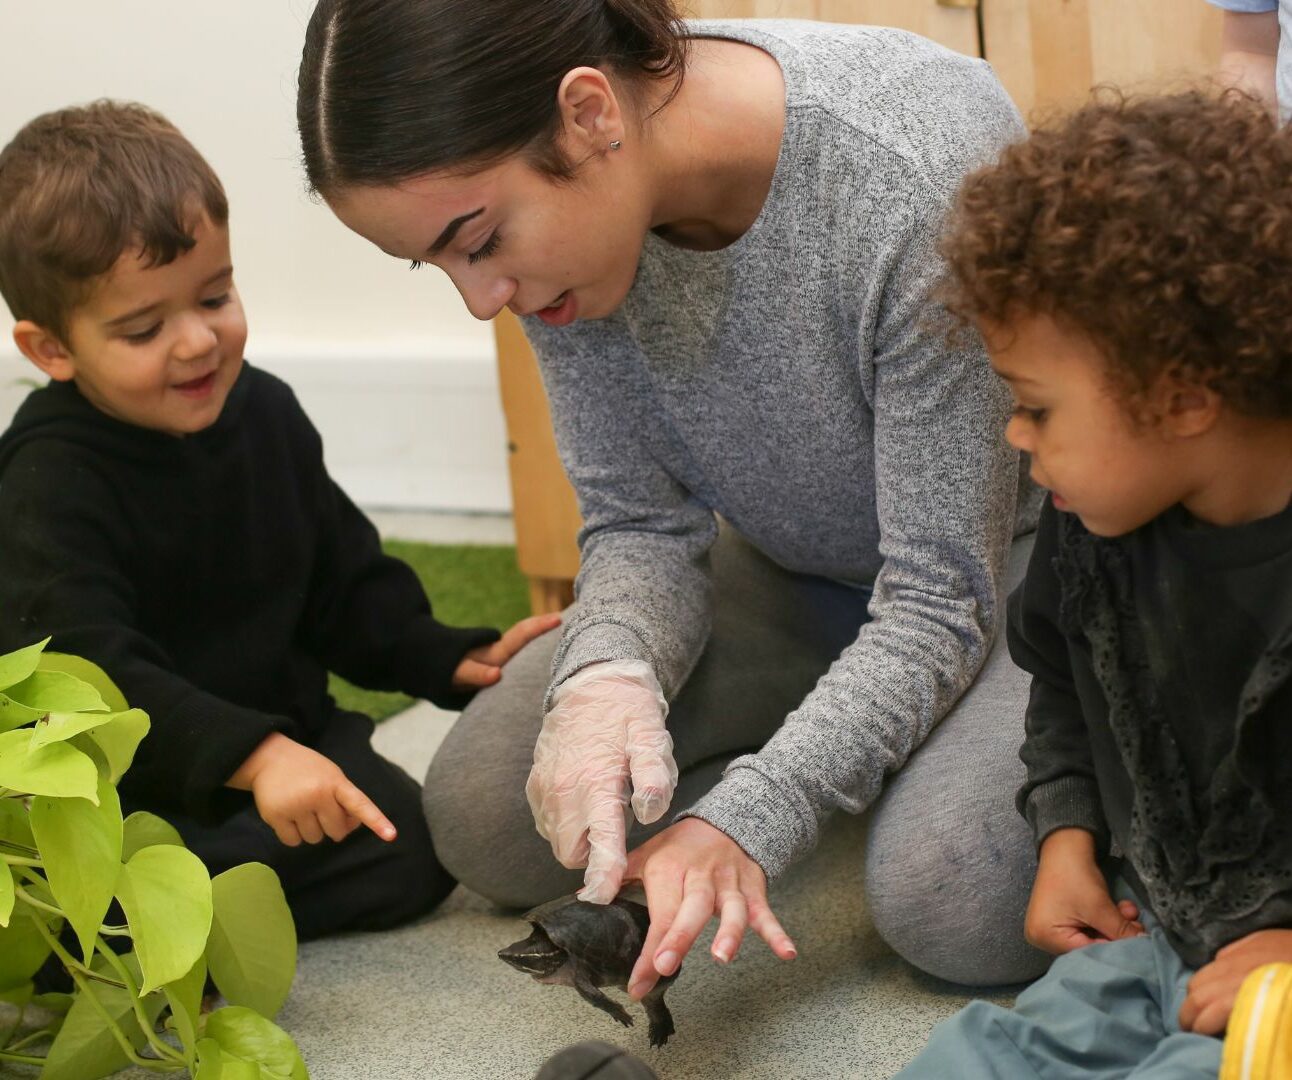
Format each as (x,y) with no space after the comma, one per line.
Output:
(793,383)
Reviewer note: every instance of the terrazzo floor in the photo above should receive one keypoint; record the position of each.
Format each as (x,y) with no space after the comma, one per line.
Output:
(433,1001)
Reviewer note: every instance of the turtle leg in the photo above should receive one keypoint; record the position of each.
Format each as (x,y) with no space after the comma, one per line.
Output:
(661,1020)
(590,993)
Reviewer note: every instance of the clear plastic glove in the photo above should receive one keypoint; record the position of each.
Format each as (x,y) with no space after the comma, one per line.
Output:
(603,747)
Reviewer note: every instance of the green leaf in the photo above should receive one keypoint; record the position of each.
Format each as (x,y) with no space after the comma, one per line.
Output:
(144,830)
(13,715)
(56,691)
(19,995)
(88,672)
(119,740)
(242,1033)
(6,893)
(53,1002)
(166,894)
(252,950)
(84,1048)
(80,845)
(57,770)
(215,1064)
(22,949)
(14,824)
(60,726)
(185,997)
(16,666)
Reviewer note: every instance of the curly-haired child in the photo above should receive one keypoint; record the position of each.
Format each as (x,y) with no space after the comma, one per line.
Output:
(1131,269)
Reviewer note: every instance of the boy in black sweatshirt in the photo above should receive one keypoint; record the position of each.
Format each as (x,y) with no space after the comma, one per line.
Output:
(166,513)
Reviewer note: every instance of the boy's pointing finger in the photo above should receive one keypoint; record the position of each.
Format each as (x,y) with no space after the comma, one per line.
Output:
(358,805)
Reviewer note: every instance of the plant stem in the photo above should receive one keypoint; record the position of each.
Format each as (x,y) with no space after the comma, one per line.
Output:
(25,896)
(74,969)
(164,1049)
(43,1033)
(22,1059)
(21,860)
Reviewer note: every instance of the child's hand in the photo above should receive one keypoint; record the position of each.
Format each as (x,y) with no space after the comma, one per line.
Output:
(1071,906)
(1214,986)
(304,796)
(482,666)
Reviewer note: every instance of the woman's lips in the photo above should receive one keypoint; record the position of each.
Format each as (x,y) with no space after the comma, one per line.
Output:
(562,311)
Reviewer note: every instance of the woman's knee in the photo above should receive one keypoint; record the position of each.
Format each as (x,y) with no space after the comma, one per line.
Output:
(949,892)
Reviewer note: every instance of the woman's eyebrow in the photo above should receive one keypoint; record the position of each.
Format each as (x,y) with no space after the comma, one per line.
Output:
(451,230)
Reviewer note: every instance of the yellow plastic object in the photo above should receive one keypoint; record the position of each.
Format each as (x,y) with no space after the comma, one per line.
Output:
(1258,1045)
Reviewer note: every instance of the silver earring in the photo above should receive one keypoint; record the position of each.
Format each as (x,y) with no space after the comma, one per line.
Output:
(616,144)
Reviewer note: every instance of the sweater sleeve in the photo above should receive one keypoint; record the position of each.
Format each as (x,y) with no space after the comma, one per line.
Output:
(1061,790)
(946,486)
(66,558)
(643,588)
(367,617)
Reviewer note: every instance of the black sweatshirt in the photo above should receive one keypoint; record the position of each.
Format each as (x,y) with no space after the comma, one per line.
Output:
(1161,712)
(217,578)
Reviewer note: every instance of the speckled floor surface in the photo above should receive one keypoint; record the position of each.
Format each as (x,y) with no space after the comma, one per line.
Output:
(433,1001)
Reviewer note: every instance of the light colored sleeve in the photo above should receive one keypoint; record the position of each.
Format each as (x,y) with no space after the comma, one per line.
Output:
(643,591)
(946,484)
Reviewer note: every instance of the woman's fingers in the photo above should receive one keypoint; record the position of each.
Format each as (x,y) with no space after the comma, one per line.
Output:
(768,927)
(310,829)
(733,918)
(515,639)
(694,912)
(663,897)
(607,855)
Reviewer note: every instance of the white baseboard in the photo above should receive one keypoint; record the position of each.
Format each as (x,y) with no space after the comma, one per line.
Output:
(401,430)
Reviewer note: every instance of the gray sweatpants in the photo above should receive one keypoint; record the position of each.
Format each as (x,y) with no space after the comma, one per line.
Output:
(949,862)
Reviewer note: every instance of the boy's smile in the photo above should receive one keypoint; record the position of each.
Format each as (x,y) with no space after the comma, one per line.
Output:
(160,347)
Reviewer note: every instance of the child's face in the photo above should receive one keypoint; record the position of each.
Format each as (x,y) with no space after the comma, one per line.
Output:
(1085,446)
(160,347)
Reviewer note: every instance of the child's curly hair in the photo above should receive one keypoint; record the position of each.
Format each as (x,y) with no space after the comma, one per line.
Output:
(1161,228)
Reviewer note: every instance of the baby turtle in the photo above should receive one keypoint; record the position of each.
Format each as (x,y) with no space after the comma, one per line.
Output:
(588,946)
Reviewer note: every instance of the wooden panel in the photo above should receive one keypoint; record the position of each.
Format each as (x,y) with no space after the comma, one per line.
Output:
(1049,53)
(543,502)
(957,28)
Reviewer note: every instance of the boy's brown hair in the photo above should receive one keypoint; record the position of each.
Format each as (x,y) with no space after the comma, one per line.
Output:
(80,186)
(1161,228)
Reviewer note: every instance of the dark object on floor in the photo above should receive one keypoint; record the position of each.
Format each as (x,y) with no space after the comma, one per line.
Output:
(594,1061)
(588,946)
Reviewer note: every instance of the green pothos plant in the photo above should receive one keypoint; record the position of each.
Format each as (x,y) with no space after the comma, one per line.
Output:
(66,738)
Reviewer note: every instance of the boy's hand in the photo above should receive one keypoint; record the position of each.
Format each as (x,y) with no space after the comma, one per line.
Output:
(1214,986)
(482,666)
(304,796)
(1071,906)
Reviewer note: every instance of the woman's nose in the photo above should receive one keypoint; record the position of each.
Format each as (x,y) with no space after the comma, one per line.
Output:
(485,297)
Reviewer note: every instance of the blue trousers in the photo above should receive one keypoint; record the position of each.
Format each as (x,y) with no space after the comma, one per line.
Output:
(1106,1011)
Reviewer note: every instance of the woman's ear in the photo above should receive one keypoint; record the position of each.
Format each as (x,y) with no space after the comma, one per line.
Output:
(591,118)
(44,349)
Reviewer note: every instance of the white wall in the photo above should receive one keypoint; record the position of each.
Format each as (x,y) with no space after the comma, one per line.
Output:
(395,372)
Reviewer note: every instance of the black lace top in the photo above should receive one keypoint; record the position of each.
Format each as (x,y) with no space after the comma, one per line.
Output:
(1161,712)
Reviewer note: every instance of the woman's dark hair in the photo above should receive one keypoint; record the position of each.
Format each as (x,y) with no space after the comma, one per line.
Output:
(393,89)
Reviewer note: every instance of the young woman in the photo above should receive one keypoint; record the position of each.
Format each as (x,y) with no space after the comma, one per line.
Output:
(723,240)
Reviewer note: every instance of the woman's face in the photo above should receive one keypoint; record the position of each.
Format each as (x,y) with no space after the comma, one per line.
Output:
(511,236)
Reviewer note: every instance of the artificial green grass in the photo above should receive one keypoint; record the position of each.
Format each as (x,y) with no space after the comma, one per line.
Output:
(469,585)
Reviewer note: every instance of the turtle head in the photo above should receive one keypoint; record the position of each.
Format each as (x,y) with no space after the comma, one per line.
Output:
(537,955)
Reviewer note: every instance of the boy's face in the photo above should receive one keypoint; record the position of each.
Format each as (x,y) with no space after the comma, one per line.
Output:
(1085,446)
(160,347)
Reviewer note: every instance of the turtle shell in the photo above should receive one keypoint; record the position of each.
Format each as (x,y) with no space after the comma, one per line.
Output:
(607,938)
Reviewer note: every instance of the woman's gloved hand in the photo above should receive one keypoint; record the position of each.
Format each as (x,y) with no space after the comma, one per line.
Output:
(602,747)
